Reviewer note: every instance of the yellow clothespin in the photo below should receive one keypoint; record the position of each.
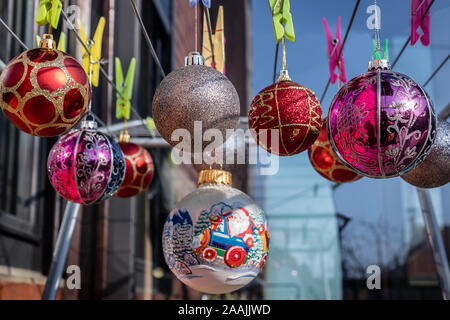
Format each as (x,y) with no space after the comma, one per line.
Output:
(95,47)
(218,39)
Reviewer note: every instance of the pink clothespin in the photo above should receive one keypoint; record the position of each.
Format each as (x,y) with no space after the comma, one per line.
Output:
(333,47)
(418,8)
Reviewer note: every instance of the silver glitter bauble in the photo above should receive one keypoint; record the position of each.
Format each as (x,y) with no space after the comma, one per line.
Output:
(195,93)
(434,171)
(216,239)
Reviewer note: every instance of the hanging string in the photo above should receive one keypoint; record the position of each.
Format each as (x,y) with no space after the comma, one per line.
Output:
(377,24)
(196,28)
(51,18)
(208,22)
(284,55)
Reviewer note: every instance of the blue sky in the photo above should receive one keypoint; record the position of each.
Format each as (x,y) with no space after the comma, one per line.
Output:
(381,202)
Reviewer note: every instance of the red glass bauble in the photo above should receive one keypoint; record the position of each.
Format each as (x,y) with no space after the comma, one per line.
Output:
(44,92)
(292,110)
(139,170)
(325,161)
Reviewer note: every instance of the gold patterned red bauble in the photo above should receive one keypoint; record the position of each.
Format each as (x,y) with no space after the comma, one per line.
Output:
(44,92)
(292,110)
(139,170)
(325,161)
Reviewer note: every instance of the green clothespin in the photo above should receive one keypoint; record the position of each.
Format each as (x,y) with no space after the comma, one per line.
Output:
(376,52)
(62,42)
(386,50)
(126,89)
(151,125)
(281,13)
(49,12)
(38,40)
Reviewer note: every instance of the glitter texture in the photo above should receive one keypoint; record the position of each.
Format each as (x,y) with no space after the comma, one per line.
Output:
(291,109)
(44,92)
(85,166)
(195,93)
(325,161)
(139,172)
(385,140)
(434,171)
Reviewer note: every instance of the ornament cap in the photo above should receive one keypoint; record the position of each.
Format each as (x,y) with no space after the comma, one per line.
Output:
(382,64)
(89,124)
(47,42)
(194,58)
(214,176)
(124,137)
(284,76)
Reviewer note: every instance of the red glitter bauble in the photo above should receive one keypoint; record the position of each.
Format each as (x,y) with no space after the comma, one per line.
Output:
(292,110)
(139,170)
(325,161)
(44,92)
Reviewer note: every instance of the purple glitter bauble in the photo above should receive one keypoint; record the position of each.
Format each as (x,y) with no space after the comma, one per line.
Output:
(86,166)
(381,124)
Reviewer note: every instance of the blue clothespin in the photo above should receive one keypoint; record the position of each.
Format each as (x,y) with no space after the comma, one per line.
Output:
(206,3)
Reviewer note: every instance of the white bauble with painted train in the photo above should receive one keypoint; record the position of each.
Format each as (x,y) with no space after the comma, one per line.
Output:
(216,239)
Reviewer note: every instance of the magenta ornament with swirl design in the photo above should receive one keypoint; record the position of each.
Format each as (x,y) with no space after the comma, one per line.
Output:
(86,166)
(381,124)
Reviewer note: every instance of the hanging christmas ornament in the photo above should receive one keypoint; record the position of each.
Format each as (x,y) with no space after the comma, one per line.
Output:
(43,91)
(195,96)
(286,116)
(381,124)
(139,169)
(216,239)
(86,166)
(434,171)
(326,163)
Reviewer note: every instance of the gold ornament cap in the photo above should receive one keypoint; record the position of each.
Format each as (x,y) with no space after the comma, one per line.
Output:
(47,42)
(284,76)
(214,176)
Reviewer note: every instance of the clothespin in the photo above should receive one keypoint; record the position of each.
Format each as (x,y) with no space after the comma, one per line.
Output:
(218,39)
(206,3)
(62,42)
(95,47)
(418,8)
(281,13)
(49,12)
(376,52)
(334,45)
(126,89)
(151,125)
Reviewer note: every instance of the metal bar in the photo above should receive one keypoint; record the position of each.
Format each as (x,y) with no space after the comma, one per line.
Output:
(3,23)
(436,243)
(437,70)
(343,44)
(275,62)
(147,38)
(61,250)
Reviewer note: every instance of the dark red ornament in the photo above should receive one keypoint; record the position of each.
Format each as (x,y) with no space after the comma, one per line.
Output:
(44,92)
(325,161)
(139,170)
(292,110)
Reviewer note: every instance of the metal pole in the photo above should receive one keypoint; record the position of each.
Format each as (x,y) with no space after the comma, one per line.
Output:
(435,240)
(61,250)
